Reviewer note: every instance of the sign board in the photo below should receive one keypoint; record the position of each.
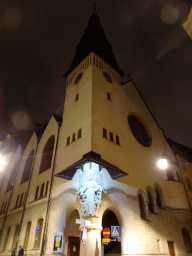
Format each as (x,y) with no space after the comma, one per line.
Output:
(83,222)
(106,240)
(106,232)
(84,235)
(58,242)
(87,222)
(36,238)
(115,231)
(79,221)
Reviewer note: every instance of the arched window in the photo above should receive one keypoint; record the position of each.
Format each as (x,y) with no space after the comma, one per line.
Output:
(12,177)
(15,236)
(28,229)
(6,238)
(27,169)
(150,203)
(159,193)
(47,155)
(170,175)
(142,207)
(40,225)
(187,240)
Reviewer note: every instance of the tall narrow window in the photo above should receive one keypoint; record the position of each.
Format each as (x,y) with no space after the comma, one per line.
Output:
(46,189)
(188,183)
(38,242)
(15,236)
(104,133)
(21,200)
(117,140)
(142,207)
(178,177)
(111,136)
(77,97)
(17,202)
(2,207)
(42,190)
(187,240)
(28,229)
(27,168)
(108,96)
(73,137)
(5,207)
(47,155)
(159,198)
(12,177)
(150,203)
(170,175)
(79,133)
(68,140)
(36,192)
(6,238)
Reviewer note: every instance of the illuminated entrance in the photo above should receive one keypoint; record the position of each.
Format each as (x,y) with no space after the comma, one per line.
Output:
(114,246)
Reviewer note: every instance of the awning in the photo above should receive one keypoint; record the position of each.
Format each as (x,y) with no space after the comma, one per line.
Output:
(69,172)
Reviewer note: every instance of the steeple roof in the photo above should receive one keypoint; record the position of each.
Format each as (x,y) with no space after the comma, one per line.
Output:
(94,40)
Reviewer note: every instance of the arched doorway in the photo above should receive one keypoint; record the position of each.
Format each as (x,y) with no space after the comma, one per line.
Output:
(72,234)
(109,220)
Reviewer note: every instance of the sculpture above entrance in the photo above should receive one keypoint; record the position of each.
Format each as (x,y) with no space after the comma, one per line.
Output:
(91,188)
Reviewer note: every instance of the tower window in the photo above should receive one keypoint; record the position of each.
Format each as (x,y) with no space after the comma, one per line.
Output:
(68,140)
(37,191)
(108,96)
(111,136)
(104,133)
(79,133)
(46,189)
(73,137)
(77,97)
(117,140)
(42,190)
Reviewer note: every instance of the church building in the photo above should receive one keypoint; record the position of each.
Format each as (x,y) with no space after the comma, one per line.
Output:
(89,183)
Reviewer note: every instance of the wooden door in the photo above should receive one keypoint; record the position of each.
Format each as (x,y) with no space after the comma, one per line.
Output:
(73,246)
(171,248)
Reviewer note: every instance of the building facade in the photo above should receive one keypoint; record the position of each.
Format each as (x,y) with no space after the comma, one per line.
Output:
(94,168)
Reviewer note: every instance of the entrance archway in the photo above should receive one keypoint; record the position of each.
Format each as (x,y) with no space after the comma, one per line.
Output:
(72,234)
(109,220)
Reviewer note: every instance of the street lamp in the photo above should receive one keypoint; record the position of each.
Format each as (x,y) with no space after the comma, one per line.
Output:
(162,163)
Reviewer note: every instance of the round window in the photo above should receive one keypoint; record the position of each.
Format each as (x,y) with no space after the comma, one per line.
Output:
(139,131)
(78,78)
(107,77)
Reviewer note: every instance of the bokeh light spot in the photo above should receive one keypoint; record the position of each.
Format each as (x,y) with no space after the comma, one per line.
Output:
(169,14)
(20,120)
(10,19)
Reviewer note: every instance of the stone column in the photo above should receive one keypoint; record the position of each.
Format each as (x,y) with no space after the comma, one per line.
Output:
(92,246)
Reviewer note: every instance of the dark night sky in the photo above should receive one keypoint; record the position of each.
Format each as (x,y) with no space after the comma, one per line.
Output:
(38,41)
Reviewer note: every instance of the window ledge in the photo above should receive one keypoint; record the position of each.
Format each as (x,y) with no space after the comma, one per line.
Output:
(35,200)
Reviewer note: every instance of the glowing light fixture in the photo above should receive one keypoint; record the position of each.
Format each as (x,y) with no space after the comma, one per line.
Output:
(162,163)
(2,162)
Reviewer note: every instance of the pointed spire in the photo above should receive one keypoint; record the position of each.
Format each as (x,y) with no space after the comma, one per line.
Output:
(94,8)
(94,40)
